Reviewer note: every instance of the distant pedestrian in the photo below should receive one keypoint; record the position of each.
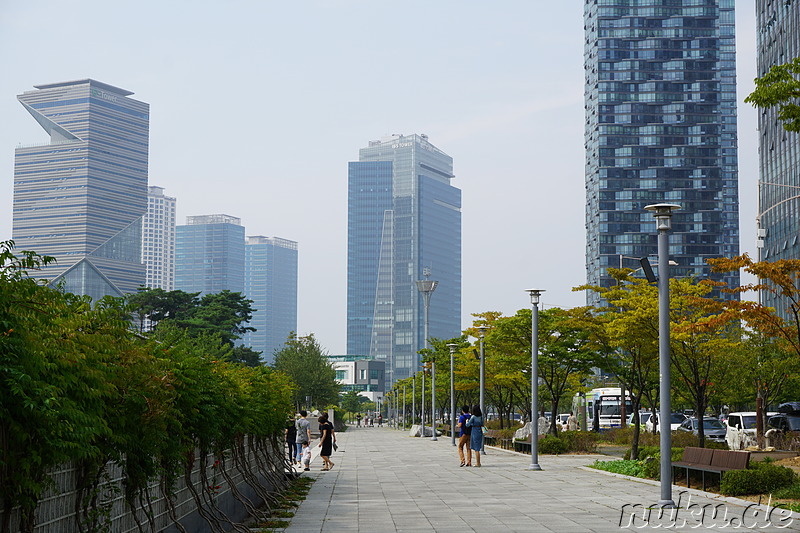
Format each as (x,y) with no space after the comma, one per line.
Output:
(475,423)
(372,421)
(380,421)
(464,436)
(302,426)
(306,457)
(358,420)
(291,435)
(326,442)
(572,422)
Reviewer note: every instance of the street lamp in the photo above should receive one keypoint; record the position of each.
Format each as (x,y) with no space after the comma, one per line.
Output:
(404,407)
(482,330)
(453,347)
(535,293)
(433,399)
(663,214)
(426,287)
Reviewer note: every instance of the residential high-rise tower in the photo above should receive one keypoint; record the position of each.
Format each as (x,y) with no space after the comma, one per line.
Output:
(158,240)
(660,127)
(270,281)
(80,198)
(404,218)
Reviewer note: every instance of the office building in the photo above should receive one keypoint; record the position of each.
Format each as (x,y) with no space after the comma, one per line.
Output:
(81,196)
(404,218)
(270,280)
(778,42)
(209,254)
(360,373)
(660,126)
(158,240)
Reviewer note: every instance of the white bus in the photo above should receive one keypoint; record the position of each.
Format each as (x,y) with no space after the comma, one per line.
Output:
(603,407)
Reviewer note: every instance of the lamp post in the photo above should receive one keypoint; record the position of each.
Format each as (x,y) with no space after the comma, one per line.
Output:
(413,398)
(453,347)
(535,293)
(426,287)
(663,214)
(482,400)
(433,399)
(404,407)
(422,404)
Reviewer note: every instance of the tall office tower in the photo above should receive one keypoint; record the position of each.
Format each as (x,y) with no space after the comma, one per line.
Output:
(778,42)
(270,280)
(660,127)
(80,198)
(209,254)
(158,240)
(404,217)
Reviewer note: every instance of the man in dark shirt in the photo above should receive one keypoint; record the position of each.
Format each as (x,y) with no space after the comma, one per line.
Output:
(291,435)
(464,436)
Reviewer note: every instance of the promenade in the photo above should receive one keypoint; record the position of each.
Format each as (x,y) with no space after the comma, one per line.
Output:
(386,481)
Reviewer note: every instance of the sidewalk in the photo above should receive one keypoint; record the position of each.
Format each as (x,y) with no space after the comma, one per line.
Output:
(386,481)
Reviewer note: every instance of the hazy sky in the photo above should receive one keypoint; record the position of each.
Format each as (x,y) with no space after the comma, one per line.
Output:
(257,106)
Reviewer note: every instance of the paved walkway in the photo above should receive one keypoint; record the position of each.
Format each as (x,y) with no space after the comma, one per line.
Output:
(386,481)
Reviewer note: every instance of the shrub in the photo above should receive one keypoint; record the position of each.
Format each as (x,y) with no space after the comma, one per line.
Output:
(552,445)
(760,478)
(791,492)
(580,441)
(626,467)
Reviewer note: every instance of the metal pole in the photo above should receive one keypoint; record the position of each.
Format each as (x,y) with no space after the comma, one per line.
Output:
(404,407)
(422,408)
(433,399)
(452,394)
(663,214)
(483,385)
(535,379)
(413,398)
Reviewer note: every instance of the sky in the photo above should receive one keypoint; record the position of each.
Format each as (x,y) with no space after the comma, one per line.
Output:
(256,107)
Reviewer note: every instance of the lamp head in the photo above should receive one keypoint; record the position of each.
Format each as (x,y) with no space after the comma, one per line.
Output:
(483,329)
(535,293)
(663,214)
(453,347)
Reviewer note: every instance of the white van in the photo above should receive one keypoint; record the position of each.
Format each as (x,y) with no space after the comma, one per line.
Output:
(740,429)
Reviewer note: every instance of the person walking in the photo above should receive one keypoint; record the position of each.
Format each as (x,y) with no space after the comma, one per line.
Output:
(326,442)
(302,427)
(291,435)
(464,436)
(572,422)
(475,423)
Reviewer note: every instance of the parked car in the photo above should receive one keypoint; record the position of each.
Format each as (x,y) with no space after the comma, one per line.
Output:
(676,419)
(713,429)
(740,429)
(561,419)
(788,417)
(644,416)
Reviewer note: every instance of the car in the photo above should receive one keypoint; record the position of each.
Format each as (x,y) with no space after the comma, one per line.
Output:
(675,420)
(740,429)
(785,421)
(561,419)
(644,416)
(713,429)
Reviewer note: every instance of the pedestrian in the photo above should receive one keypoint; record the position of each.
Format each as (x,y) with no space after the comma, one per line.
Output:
(380,421)
(291,435)
(572,422)
(326,442)
(306,457)
(464,436)
(475,423)
(302,426)
(358,419)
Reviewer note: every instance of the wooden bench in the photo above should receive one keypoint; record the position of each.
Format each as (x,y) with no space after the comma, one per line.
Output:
(708,460)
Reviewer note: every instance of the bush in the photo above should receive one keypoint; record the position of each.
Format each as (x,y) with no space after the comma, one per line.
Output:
(626,467)
(761,478)
(552,445)
(580,441)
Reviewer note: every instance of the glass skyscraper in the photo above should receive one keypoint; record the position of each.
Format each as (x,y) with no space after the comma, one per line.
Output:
(404,218)
(778,42)
(80,198)
(660,127)
(209,254)
(270,280)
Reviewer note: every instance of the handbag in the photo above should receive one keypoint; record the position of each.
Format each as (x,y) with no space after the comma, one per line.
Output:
(335,447)
(484,430)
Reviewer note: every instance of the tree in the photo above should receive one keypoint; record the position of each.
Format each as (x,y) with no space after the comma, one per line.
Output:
(245,355)
(306,363)
(157,305)
(352,402)
(780,88)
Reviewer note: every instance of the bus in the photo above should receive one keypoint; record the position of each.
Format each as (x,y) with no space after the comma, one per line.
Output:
(603,407)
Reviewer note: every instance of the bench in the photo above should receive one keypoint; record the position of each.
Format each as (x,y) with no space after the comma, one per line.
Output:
(708,460)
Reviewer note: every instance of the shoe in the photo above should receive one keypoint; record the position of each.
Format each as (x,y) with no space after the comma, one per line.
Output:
(462,464)
(332,465)
(477,466)
(325,469)
(306,469)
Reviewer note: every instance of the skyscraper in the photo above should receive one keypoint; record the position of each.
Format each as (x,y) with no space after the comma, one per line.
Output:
(660,127)
(209,254)
(270,280)
(158,240)
(80,198)
(403,217)
(778,42)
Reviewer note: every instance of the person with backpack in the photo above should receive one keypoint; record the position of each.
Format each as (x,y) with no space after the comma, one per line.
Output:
(464,436)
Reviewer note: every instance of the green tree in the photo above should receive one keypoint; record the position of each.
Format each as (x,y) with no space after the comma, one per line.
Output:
(780,88)
(245,355)
(306,363)
(157,305)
